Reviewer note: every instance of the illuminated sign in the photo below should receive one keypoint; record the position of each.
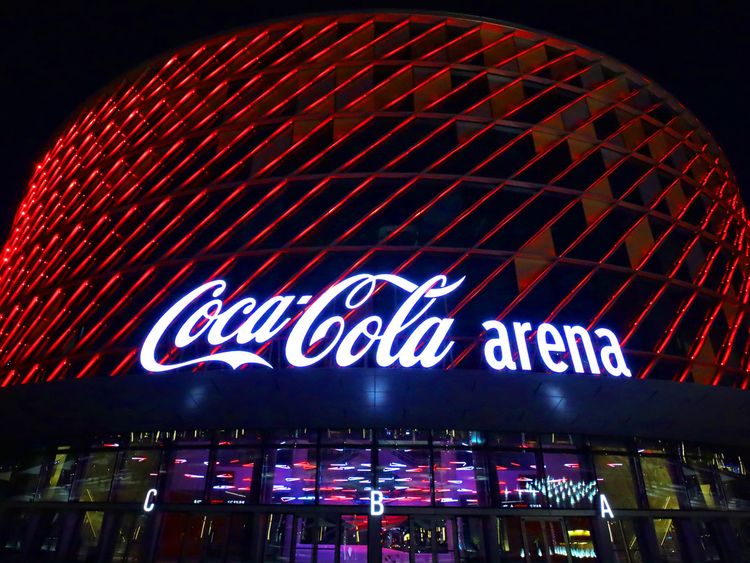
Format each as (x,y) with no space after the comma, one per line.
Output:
(148,503)
(377,508)
(413,335)
(605,510)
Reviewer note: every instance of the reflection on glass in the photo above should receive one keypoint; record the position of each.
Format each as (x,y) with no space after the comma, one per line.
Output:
(353,543)
(233,475)
(136,474)
(510,540)
(708,540)
(395,537)
(615,478)
(663,488)
(278,538)
(347,436)
(58,477)
(518,480)
(666,536)
(404,476)
(423,530)
(345,476)
(624,540)
(460,478)
(95,476)
(471,544)
(701,485)
(567,482)
(25,478)
(580,539)
(289,476)
(88,536)
(186,476)
(128,539)
(735,481)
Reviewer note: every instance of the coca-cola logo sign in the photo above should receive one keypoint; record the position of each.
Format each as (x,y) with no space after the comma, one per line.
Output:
(340,325)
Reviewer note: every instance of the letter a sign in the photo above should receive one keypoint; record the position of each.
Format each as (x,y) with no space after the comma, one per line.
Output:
(605,510)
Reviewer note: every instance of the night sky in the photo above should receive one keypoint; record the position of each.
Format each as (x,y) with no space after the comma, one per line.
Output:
(55,57)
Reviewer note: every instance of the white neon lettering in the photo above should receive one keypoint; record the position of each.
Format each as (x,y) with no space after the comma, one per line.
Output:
(605,510)
(549,341)
(611,355)
(325,326)
(377,508)
(502,343)
(148,503)
(572,335)
(520,330)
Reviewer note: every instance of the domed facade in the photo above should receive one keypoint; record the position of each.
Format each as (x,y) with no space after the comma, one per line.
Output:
(377,288)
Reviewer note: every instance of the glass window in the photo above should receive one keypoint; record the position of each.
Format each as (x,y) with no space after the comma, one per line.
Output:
(735,481)
(25,478)
(85,544)
(295,436)
(580,539)
(233,475)
(345,476)
(404,476)
(347,436)
(460,478)
(95,476)
(624,540)
(568,482)
(289,476)
(278,536)
(186,476)
(513,440)
(471,544)
(404,436)
(666,537)
(614,475)
(395,539)
(128,539)
(457,438)
(240,539)
(518,482)
(353,542)
(510,540)
(661,480)
(237,437)
(136,474)
(58,477)
(701,484)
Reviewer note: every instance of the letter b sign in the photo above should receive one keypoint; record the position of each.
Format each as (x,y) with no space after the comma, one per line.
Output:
(376,503)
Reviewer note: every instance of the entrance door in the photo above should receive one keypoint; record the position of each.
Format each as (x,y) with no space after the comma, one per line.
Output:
(432,539)
(545,540)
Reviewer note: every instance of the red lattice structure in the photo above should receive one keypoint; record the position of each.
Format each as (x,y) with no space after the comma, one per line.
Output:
(563,184)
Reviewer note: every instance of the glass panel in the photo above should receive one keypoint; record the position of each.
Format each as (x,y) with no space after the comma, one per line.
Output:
(395,538)
(58,478)
(25,479)
(16,530)
(327,531)
(471,544)
(518,481)
(404,476)
(136,474)
(95,476)
(348,436)
(701,485)
(615,478)
(457,438)
(233,475)
(353,543)
(735,480)
(289,476)
(345,476)
(304,539)
(561,441)
(557,546)
(568,483)
(663,489)
(624,540)
(513,440)
(535,542)
(666,536)
(86,543)
(129,538)
(424,533)
(510,540)
(192,539)
(186,476)
(238,437)
(296,436)
(403,436)
(445,540)
(580,539)
(277,548)
(170,536)
(460,478)
(708,538)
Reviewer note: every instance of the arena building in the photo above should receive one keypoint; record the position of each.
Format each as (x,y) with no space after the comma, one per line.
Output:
(377,287)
